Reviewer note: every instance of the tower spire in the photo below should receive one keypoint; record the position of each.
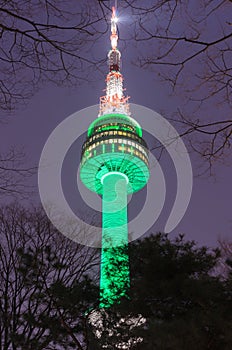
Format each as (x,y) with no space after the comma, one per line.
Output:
(114,35)
(114,99)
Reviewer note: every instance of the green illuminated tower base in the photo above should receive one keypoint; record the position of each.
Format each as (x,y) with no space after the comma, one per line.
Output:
(114,163)
(114,281)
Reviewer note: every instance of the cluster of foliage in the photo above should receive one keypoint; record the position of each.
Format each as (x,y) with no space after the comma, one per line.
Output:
(49,289)
(44,285)
(175,288)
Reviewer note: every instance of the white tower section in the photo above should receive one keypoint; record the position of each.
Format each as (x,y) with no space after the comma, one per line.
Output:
(114,100)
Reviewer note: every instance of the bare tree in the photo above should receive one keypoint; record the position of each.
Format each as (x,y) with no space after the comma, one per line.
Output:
(46,40)
(14,175)
(44,285)
(41,41)
(189,46)
(224,267)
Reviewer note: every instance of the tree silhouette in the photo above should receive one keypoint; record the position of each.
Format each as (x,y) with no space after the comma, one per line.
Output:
(46,283)
(49,293)
(173,289)
(189,45)
(42,41)
(46,41)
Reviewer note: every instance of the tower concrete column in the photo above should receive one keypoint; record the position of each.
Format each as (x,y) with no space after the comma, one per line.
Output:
(114,280)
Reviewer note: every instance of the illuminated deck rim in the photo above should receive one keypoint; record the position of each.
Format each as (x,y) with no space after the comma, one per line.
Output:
(114,173)
(106,118)
(133,167)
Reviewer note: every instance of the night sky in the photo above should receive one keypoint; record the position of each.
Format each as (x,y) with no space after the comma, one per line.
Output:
(208,217)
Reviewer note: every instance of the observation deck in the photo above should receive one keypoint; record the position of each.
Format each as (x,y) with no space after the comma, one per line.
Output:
(114,143)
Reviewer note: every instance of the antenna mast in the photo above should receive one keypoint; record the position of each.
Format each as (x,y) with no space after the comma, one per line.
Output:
(114,99)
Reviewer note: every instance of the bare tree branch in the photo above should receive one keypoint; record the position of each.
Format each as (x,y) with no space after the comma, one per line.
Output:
(46,41)
(189,46)
(41,273)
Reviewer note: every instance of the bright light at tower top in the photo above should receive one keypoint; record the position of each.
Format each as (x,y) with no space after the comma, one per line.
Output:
(114,99)
(114,36)
(114,18)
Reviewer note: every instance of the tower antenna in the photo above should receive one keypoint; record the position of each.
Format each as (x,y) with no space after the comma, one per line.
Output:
(114,99)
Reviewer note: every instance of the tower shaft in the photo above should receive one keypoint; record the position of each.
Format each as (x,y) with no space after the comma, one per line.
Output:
(114,280)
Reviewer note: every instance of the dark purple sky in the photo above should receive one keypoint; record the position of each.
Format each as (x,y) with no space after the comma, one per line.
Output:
(209,214)
(208,217)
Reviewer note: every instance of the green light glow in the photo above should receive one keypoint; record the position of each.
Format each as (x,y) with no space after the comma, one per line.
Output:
(93,168)
(115,280)
(115,118)
(114,164)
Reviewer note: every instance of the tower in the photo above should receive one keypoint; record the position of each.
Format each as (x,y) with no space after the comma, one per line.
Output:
(114,163)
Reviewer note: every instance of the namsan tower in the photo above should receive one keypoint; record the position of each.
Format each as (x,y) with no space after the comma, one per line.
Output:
(114,163)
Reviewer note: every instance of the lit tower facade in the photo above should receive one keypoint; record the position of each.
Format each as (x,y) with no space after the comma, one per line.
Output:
(114,163)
